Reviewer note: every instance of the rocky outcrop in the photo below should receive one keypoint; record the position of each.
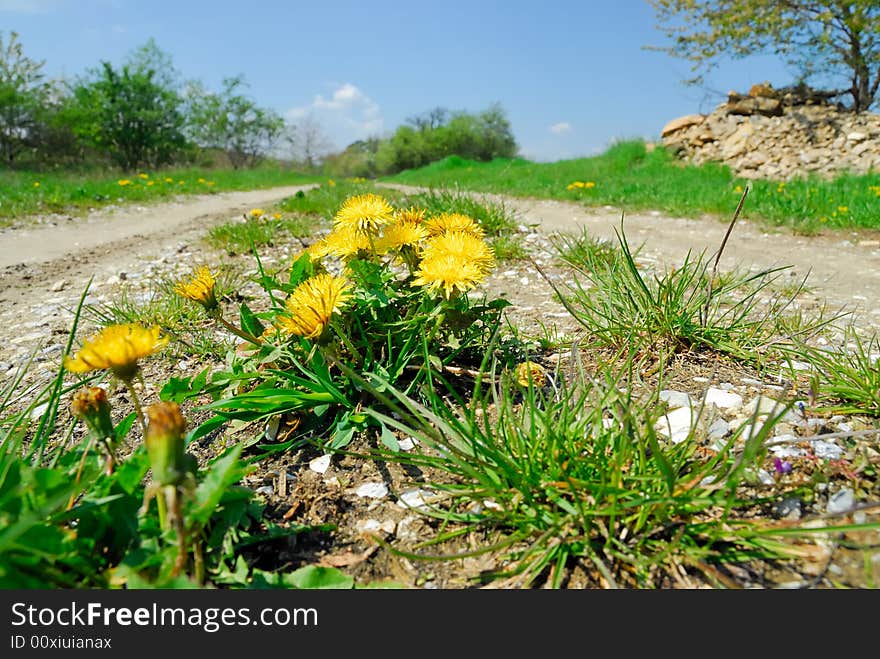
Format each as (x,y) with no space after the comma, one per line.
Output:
(779,134)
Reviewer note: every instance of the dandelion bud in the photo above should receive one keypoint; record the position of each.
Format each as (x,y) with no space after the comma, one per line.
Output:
(90,406)
(165,443)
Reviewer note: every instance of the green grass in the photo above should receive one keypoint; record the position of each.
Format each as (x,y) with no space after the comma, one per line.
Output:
(239,236)
(184,320)
(739,314)
(632,178)
(573,475)
(27,193)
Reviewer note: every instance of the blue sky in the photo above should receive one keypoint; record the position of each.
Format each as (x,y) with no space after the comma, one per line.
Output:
(573,76)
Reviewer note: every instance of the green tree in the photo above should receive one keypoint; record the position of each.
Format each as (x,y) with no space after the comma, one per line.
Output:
(231,121)
(833,39)
(132,113)
(24,96)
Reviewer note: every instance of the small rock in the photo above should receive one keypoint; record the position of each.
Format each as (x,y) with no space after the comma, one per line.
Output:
(320,464)
(415,498)
(39,411)
(827,450)
(677,424)
(675,399)
(59,285)
(406,444)
(372,490)
(724,400)
(789,508)
(841,501)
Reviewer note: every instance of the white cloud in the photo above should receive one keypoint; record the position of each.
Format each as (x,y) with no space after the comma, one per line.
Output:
(562,128)
(348,114)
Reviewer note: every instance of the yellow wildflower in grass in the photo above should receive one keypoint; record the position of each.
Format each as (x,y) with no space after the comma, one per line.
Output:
(875,189)
(311,305)
(276,216)
(209,183)
(123,182)
(446,222)
(464,245)
(533,372)
(181,183)
(169,180)
(400,234)
(843,209)
(331,182)
(117,348)
(201,180)
(453,273)
(150,184)
(36,184)
(199,288)
(738,189)
(364,213)
(589,184)
(343,242)
(143,176)
(256,212)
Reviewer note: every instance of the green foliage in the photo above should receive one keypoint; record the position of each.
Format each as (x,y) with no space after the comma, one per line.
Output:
(24,95)
(231,121)
(481,137)
(388,325)
(128,113)
(834,39)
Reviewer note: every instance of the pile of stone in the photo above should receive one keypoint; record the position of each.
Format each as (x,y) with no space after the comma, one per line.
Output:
(779,134)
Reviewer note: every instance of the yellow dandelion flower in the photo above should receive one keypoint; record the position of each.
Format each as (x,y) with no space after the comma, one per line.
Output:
(400,234)
(331,182)
(589,184)
(201,180)
(464,245)
(530,371)
(36,184)
(364,213)
(343,242)
(843,209)
(311,304)
(118,348)
(577,184)
(412,215)
(738,189)
(452,273)
(445,222)
(276,216)
(199,288)
(256,212)
(150,184)
(875,189)
(181,183)
(143,176)
(169,180)
(123,182)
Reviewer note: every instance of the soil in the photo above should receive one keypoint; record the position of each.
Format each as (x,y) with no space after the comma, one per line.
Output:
(46,264)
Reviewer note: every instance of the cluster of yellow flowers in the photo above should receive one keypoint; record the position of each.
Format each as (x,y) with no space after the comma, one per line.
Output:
(123,182)
(584,185)
(875,189)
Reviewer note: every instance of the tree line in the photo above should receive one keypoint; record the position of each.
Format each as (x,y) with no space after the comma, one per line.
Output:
(142,114)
